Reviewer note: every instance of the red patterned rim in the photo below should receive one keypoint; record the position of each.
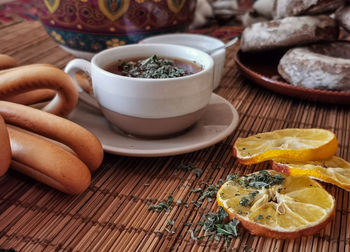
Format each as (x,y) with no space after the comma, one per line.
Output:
(264,72)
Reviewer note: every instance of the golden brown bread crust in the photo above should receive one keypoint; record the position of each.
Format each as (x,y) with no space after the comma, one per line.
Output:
(7,62)
(32,97)
(47,162)
(22,79)
(84,82)
(86,145)
(44,146)
(5,153)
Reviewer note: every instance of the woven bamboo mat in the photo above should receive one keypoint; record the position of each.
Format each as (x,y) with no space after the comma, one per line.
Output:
(113,215)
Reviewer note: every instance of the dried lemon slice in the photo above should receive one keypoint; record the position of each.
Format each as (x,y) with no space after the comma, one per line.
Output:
(286,144)
(335,170)
(270,204)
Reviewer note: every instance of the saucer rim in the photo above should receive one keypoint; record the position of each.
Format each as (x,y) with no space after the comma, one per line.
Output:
(122,151)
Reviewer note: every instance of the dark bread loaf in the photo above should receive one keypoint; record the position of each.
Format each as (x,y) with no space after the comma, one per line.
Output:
(343,17)
(287,8)
(323,66)
(287,32)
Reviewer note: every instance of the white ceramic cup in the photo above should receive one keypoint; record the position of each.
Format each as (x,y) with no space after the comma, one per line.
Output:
(198,41)
(148,107)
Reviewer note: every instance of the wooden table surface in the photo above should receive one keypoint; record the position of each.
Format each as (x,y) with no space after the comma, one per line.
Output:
(112,214)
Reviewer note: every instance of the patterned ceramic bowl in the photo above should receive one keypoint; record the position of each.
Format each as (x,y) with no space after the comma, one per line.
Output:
(85,27)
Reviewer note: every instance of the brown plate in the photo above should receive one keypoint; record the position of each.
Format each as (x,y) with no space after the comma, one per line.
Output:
(262,69)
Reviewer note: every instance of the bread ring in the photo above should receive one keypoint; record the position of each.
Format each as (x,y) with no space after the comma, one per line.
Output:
(32,97)
(81,141)
(7,62)
(325,66)
(343,17)
(27,78)
(84,81)
(5,153)
(47,162)
(289,31)
(287,8)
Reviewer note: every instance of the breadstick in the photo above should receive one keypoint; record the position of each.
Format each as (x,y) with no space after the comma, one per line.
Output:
(47,162)
(86,145)
(5,153)
(40,76)
(32,97)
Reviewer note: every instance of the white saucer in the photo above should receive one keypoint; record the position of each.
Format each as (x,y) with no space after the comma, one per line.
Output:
(219,120)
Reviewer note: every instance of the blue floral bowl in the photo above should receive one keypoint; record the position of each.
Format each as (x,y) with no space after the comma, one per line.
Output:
(85,27)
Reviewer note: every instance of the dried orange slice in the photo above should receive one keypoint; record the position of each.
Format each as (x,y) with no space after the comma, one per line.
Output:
(335,170)
(271,204)
(286,144)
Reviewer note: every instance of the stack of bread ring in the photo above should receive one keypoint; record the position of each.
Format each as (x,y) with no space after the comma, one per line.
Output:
(41,143)
(316,58)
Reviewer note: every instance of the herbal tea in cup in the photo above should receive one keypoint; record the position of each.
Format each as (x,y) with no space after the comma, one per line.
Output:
(149,90)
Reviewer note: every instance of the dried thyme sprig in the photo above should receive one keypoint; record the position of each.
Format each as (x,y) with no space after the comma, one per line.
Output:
(215,227)
(153,67)
(162,205)
(190,167)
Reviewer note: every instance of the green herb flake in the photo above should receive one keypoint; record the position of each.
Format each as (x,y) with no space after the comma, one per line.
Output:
(158,232)
(170,199)
(262,179)
(244,201)
(195,190)
(152,67)
(186,167)
(253,194)
(215,226)
(171,222)
(198,172)
(209,193)
(162,205)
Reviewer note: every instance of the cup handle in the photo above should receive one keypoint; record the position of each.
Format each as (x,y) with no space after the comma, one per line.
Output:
(72,68)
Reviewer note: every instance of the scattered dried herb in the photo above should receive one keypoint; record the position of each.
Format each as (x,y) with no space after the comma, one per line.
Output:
(159,232)
(190,167)
(262,179)
(235,177)
(198,172)
(181,203)
(195,190)
(162,205)
(244,201)
(215,227)
(186,167)
(209,193)
(253,194)
(171,222)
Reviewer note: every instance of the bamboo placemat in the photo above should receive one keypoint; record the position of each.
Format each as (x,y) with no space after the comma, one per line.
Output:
(113,214)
